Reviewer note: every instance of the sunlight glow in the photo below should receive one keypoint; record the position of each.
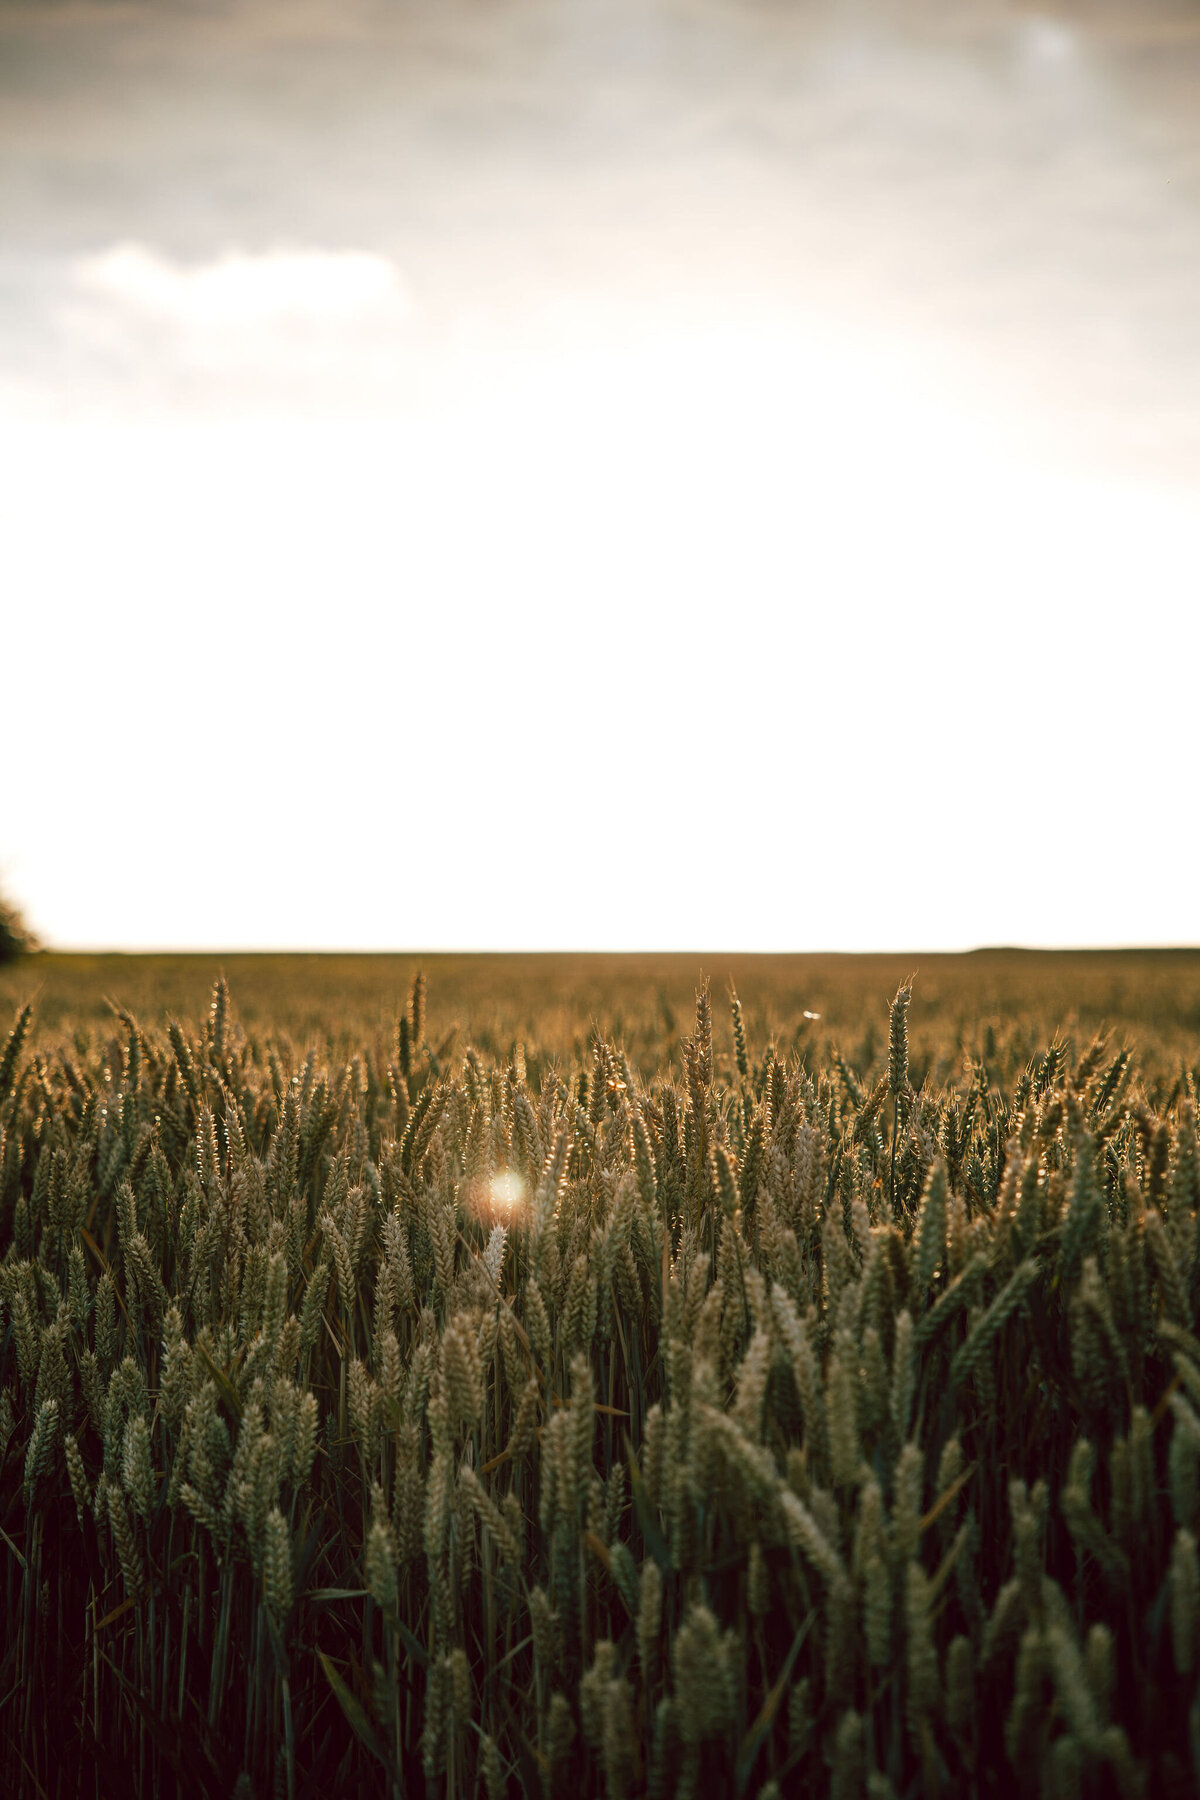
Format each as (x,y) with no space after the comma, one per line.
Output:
(730,424)
(753,530)
(633,474)
(506,1190)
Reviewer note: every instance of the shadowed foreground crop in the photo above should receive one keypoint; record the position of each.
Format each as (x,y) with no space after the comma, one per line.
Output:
(718,1420)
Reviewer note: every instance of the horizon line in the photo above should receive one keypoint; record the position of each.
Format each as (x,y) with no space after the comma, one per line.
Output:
(204,950)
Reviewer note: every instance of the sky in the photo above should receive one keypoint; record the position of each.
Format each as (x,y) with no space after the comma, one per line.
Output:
(683,474)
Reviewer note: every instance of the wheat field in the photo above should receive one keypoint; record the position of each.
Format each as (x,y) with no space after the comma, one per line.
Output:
(553,1380)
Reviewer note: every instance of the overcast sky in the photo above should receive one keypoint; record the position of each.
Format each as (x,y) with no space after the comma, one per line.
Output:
(600,473)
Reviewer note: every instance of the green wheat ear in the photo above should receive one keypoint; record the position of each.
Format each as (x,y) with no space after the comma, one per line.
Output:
(898,1041)
(898,1066)
(739,1036)
(551,1417)
(703,1038)
(12,1050)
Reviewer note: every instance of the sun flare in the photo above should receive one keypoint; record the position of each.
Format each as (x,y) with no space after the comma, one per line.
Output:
(506,1190)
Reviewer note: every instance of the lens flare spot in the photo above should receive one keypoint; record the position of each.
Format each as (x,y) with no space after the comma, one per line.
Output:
(506,1190)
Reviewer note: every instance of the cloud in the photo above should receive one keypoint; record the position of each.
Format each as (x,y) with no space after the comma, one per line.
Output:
(238,291)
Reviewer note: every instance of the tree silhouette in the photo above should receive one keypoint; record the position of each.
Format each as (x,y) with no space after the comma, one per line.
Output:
(16,939)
